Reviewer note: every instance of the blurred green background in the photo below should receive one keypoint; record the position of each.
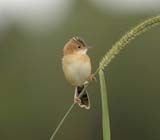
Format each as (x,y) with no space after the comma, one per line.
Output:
(34,94)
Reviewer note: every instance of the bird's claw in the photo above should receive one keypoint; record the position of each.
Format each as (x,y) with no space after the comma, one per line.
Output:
(77,100)
(92,78)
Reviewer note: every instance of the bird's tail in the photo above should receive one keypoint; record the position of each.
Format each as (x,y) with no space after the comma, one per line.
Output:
(82,100)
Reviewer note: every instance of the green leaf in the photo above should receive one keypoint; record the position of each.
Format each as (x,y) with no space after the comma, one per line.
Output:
(105,111)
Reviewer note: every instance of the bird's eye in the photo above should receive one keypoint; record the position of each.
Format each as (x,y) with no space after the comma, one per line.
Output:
(79,46)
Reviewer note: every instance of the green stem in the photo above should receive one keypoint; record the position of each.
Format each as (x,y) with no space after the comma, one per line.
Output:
(67,113)
(105,109)
(61,122)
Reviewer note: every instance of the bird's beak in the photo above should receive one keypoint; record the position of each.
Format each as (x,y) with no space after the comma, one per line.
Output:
(89,47)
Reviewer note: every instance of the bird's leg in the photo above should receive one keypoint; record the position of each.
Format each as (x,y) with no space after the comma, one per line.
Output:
(76,97)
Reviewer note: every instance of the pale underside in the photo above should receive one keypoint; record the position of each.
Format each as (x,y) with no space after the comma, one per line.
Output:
(77,68)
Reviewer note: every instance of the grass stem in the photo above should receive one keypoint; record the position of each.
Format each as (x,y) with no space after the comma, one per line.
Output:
(61,122)
(105,109)
(67,113)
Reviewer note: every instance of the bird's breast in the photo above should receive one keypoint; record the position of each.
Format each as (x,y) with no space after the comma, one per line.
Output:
(77,68)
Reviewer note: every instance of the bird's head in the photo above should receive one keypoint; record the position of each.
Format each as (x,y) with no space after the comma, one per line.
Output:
(75,45)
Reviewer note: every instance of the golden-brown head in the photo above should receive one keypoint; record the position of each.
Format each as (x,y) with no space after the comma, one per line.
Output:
(75,45)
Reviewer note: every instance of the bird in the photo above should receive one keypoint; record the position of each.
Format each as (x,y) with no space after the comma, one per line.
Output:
(76,66)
